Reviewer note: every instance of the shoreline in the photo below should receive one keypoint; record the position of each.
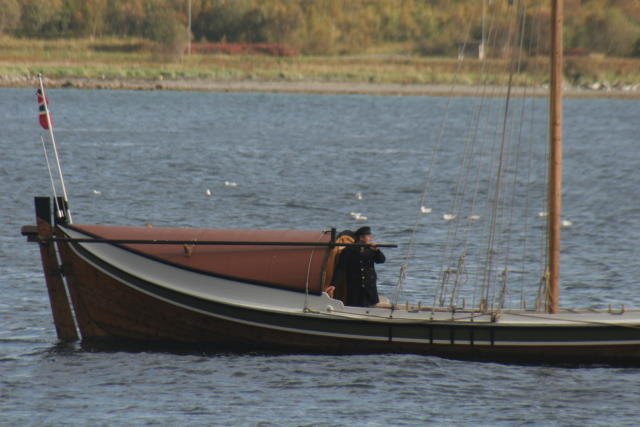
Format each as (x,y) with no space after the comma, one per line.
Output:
(312,87)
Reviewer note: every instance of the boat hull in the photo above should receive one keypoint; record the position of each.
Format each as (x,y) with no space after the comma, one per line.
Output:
(115,307)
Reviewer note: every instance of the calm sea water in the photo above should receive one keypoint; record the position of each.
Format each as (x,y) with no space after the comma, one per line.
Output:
(148,157)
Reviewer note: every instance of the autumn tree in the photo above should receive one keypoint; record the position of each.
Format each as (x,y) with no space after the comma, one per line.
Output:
(434,27)
(9,15)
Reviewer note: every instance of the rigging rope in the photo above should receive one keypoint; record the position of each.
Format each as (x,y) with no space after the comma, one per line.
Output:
(56,202)
(471,150)
(535,48)
(470,145)
(499,177)
(306,283)
(492,127)
(423,198)
(503,290)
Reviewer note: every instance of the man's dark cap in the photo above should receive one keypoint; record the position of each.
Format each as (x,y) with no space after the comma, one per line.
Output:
(363,231)
(347,233)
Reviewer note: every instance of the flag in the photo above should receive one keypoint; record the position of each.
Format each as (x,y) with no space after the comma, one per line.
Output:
(43,105)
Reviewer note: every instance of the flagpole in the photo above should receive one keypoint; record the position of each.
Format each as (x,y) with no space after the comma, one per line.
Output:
(55,151)
(53,186)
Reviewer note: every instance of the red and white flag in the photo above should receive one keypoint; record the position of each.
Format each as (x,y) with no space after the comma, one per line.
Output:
(43,107)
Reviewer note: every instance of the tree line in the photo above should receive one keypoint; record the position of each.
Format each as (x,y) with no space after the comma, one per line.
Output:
(431,27)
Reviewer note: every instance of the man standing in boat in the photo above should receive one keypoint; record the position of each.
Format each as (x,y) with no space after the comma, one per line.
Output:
(357,263)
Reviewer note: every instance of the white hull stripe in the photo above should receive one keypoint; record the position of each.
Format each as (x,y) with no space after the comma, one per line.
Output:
(372,338)
(229,318)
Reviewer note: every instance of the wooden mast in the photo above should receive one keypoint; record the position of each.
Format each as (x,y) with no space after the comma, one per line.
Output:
(555,160)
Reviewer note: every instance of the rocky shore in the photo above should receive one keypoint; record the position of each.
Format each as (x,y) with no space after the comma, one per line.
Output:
(597,90)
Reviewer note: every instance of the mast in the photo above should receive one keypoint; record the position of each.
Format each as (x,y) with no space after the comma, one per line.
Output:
(555,155)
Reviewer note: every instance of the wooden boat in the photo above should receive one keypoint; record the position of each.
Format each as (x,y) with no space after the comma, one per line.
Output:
(264,290)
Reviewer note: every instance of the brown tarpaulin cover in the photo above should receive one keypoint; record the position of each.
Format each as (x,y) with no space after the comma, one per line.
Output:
(280,266)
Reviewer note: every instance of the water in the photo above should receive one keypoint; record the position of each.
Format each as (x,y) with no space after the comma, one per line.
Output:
(298,160)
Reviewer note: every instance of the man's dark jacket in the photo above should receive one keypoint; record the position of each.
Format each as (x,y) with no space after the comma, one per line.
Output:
(357,264)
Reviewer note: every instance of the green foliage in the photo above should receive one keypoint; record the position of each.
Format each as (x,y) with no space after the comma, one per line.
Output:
(616,36)
(432,27)
(125,17)
(9,15)
(38,17)
(220,20)
(161,25)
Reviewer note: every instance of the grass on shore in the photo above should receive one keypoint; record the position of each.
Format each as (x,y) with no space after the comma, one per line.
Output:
(126,59)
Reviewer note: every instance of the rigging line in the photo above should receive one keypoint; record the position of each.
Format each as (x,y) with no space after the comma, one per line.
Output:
(507,209)
(484,143)
(190,247)
(403,269)
(514,192)
(423,198)
(544,241)
(469,154)
(306,284)
(498,232)
(486,232)
(490,166)
(487,165)
(53,186)
(484,146)
(452,230)
(459,203)
(533,46)
(467,224)
(55,148)
(470,143)
(516,168)
(527,213)
(518,144)
(499,173)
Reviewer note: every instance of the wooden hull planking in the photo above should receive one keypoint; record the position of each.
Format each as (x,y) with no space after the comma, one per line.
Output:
(113,305)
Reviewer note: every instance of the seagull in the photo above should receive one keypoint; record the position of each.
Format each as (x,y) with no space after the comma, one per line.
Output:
(474,217)
(448,217)
(425,210)
(358,216)
(230,184)
(566,223)
(207,192)
(358,195)
(97,192)
(542,214)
